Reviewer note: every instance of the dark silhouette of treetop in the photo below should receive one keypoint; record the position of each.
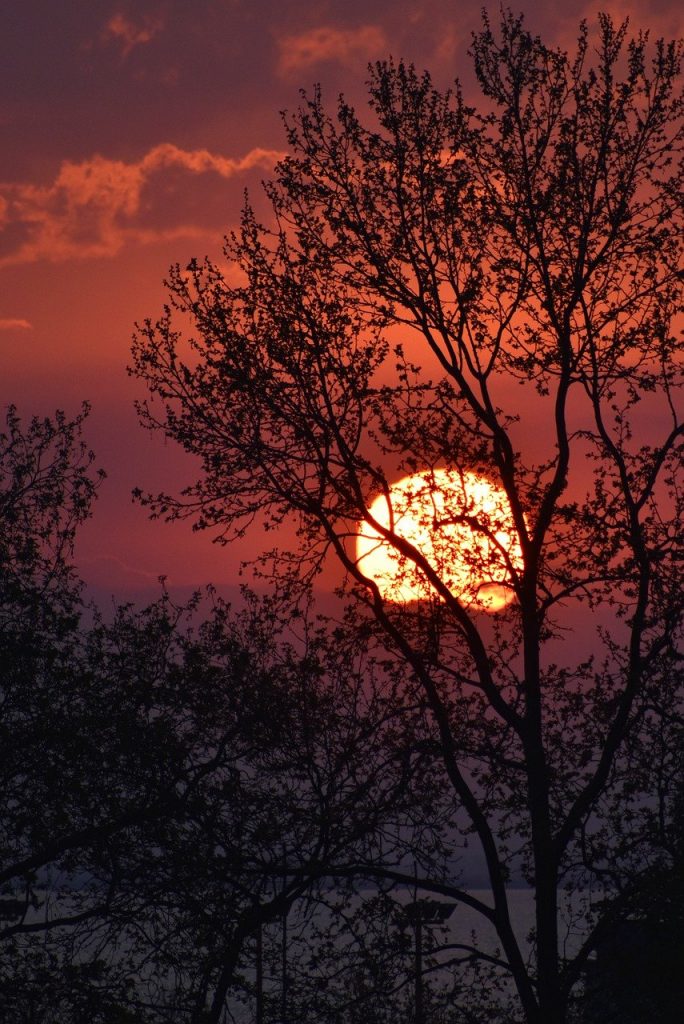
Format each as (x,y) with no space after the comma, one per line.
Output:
(452,291)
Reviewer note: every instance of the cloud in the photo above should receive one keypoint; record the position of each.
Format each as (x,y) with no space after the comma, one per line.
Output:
(450,39)
(346,46)
(660,19)
(15,324)
(93,208)
(128,35)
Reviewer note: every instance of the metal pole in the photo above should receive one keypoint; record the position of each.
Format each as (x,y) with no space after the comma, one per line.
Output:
(419,969)
(283,951)
(259,976)
(283,998)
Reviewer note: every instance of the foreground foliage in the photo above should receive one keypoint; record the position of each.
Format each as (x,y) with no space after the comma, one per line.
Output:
(175,778)
(487,290)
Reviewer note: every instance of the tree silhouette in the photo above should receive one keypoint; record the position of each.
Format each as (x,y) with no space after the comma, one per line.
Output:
(160,767)
(485,290)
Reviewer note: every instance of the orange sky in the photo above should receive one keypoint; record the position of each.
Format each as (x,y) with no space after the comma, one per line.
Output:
(129,132)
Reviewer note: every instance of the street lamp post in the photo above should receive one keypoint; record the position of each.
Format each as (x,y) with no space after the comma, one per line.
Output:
(419,913)
(283,947)
(283,968)
(259,975)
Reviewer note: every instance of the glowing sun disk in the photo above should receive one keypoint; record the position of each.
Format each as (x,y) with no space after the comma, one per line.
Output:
(460,522)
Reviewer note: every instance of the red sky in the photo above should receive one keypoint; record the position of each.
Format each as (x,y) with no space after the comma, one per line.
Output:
(129,132)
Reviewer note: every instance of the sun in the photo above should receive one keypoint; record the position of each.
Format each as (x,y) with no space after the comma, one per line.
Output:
(460,522)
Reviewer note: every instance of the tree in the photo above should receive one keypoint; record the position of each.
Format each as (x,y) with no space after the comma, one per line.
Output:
(493,290)
(49,762)
(46,487)
(276,758)
(46,490)
(160,767)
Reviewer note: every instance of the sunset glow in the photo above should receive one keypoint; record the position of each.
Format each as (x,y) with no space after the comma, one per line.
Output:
(131,133)
(460,522)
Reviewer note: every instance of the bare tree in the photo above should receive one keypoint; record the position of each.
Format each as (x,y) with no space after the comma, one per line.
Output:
(451,289)
(160,766)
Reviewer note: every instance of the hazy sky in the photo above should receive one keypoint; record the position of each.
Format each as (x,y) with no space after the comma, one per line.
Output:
(129,133)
